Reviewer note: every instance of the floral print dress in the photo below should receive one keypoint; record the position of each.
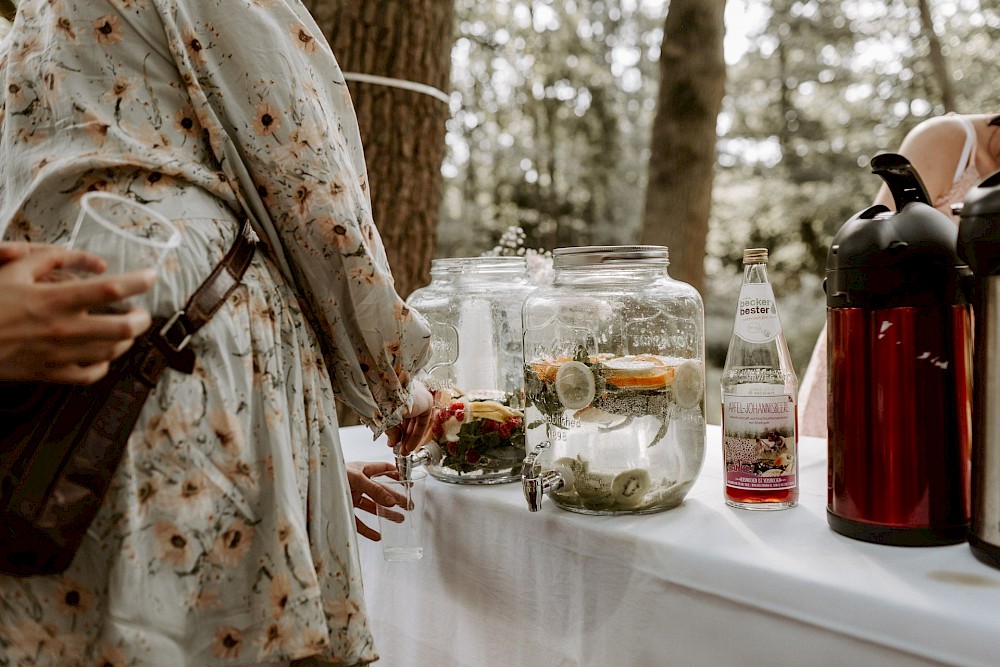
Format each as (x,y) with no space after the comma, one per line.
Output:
(228,535)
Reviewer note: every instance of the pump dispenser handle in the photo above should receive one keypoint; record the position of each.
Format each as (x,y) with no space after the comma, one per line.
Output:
(901,178)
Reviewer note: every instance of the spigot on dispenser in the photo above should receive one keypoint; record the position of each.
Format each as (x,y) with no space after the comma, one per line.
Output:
(536,483)
(429,453)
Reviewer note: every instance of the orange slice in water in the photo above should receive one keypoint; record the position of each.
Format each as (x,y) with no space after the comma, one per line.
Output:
(546,369)
(638,372)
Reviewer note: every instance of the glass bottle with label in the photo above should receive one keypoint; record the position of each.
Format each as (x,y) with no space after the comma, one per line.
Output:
(759,399)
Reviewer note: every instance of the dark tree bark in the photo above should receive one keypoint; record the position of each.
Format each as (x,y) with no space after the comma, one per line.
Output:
(938,65)
(403,131)
(682,162)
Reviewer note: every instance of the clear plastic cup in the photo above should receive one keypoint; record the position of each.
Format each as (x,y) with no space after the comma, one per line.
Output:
(129,236)
(402,527)
(126,235)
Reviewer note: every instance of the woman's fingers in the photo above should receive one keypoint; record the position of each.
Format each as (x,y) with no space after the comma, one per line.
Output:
(83,352)
(366,531)
(48,331)
(368,495)
(422,401)
(411,433)
(380,494)
(384,496)
(371,488)
(112,326)
(392,436)
(408,436)
(54,328)
(84,339)
(370,506)
(416,433)
(10,251)
(392,515)
(372,468)
(49,263)
(71,349)
(100,290)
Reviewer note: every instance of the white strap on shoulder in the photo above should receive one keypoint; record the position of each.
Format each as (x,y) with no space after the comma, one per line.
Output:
(967,150)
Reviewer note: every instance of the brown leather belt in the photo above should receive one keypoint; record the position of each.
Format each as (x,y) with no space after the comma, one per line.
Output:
(176,332)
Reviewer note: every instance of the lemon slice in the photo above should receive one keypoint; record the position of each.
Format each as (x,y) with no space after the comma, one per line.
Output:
(688,384)
(575,385)
(630,366)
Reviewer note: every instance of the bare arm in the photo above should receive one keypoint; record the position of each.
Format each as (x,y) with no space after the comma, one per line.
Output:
(934,148)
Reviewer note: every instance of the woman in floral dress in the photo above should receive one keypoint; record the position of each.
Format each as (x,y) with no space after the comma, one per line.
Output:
(227,537)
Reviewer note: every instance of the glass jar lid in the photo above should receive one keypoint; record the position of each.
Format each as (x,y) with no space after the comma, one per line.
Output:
(613,255)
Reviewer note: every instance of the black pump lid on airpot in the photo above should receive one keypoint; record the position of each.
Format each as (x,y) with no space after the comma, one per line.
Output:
(885,259)
(979,227)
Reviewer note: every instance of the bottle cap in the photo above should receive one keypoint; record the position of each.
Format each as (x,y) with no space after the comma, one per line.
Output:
(755,256)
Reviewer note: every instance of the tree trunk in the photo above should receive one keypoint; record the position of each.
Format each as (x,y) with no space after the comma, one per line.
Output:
(682,160)
(938,65)
(402,131)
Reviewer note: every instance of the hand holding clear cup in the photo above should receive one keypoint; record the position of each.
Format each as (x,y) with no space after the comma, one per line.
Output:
(376,488)
(47,332)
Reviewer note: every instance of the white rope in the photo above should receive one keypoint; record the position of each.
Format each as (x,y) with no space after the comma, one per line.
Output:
(398,83)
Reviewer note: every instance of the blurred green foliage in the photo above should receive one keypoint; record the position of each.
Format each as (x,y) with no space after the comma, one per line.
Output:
(555,99)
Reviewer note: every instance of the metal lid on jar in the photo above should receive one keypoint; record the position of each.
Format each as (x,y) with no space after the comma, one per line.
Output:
(755,256)
(614,255)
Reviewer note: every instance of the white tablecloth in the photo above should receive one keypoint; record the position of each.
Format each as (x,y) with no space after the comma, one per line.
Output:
(701,584)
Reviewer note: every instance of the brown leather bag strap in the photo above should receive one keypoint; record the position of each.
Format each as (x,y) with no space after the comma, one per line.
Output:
(176,333)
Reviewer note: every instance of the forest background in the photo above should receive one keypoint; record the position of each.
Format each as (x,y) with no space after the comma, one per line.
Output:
(705,125)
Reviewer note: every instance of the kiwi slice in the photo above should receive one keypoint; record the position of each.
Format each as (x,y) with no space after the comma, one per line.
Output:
(594,491)
(630,487)
(576,465)
(593,485)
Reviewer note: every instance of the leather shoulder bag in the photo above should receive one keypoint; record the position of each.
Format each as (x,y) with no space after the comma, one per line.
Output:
(61,444)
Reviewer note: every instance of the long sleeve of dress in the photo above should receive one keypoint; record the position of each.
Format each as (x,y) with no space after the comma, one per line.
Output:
(273,86)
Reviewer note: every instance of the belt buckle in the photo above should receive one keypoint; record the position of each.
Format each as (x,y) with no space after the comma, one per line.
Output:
(166,332)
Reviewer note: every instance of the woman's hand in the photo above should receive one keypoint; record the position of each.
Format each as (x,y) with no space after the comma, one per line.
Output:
(413,431)
(47,331)
(368,495)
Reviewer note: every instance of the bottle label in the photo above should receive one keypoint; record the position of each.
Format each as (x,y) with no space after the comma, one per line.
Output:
(756,314)
(758,436)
